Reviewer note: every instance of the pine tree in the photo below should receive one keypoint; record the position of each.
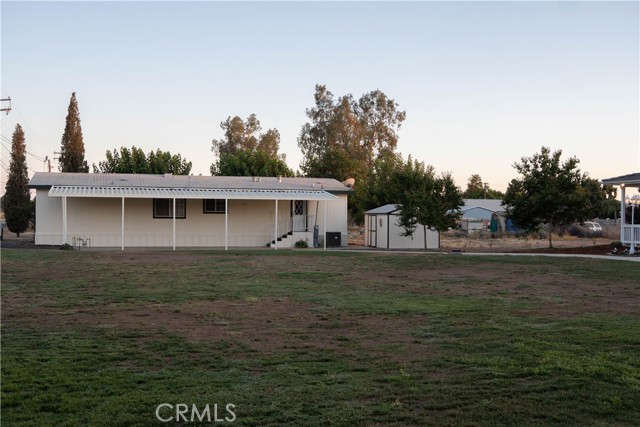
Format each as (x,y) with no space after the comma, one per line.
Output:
(72,157)
(16,200)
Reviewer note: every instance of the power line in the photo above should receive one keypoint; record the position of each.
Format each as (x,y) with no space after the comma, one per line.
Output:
(38,158)
(38,140)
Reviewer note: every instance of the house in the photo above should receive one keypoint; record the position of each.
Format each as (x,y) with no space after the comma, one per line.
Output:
(135,210)
(630,210)
(382,231)
(477,214)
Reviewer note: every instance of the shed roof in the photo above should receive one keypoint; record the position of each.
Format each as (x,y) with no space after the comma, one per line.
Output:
(629,179)
(96,180)
(386,209)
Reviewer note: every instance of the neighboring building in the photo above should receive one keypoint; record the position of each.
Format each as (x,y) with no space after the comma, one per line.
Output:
(477,214)
(382,231)
(135,210)
(629,230)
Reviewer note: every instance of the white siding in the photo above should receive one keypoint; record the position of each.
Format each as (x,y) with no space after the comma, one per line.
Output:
(388,234)
(250,222)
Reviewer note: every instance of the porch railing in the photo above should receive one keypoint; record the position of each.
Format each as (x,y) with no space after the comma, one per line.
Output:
(629,232)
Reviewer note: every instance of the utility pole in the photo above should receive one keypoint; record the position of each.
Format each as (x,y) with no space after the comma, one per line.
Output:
(47,160)
(7,108)
(59,153)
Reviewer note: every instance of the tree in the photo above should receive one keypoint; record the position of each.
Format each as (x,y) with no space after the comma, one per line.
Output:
(426,199)
(344,137)
(242,135)
(378,191)
(244,151)
(16,200)
(548,191)
(72,147)
(250,163)
(476,189)
(135,161)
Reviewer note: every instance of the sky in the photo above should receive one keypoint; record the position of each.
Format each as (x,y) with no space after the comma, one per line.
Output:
(483,84)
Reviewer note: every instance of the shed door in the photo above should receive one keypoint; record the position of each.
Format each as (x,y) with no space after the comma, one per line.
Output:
(372,230)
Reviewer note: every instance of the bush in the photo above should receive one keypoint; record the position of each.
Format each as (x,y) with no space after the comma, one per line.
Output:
(66,247)
(302,244)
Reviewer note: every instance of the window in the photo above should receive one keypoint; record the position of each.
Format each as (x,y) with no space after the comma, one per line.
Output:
(163,208)
(213,206)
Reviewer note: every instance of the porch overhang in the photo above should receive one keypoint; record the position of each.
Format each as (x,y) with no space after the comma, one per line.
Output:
(187,193)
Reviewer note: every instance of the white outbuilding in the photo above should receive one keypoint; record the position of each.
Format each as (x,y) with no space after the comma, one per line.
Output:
(382,230)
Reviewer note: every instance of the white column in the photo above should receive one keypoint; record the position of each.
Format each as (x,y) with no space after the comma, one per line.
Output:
(174,223)
(64,219)
(275,228)
(324,221)
(122,229)
(623,210)
(226,224)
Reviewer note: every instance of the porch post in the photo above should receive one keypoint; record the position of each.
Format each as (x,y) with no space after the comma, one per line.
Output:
(623,211)
(275,228)
(226,224)
(324,227)
(174,223)
(122,229)
(64,219)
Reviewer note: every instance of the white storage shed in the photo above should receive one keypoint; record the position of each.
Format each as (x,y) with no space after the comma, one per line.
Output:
(382,231)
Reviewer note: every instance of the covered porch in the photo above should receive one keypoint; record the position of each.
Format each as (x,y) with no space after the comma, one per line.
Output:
(122,216)
(630,207)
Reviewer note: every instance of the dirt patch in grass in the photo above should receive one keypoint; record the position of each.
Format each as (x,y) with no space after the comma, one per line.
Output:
(265,325)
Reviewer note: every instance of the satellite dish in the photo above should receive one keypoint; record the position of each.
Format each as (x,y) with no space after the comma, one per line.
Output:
(349,182)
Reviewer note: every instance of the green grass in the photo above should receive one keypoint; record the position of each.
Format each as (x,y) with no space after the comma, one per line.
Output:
(355,339)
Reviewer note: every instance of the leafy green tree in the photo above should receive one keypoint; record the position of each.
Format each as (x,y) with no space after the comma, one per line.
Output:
(250,163)
(476,189)
(427,200)
(16,200)
(378,191)
(602,199)
(549,192)
(344,138)
(240,135)
(134,161)
(72,146)
(244,151)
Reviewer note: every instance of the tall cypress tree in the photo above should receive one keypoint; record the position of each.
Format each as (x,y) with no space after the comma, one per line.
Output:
(16,199)
(72,157)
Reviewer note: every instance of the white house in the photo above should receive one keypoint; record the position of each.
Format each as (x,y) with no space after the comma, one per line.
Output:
(630,208)
(135,210)
(382,231)
(478,213)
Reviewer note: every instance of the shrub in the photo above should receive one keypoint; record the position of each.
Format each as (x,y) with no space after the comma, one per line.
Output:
(302,243)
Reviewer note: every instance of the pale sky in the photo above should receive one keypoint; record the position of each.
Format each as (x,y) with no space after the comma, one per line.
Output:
(483,83)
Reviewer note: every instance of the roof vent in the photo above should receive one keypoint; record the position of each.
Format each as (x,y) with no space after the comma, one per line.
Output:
(168,175)
(279,178)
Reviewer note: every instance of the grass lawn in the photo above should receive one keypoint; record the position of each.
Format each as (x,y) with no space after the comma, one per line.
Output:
(295,338)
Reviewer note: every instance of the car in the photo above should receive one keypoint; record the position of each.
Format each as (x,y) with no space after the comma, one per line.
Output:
(593,227)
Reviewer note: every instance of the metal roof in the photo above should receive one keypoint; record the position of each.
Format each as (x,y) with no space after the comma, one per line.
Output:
(187,193)
(46,180)
(493,205)
(629,179)
(386,209)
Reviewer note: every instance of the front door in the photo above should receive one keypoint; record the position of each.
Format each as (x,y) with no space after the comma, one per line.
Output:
(299,215)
